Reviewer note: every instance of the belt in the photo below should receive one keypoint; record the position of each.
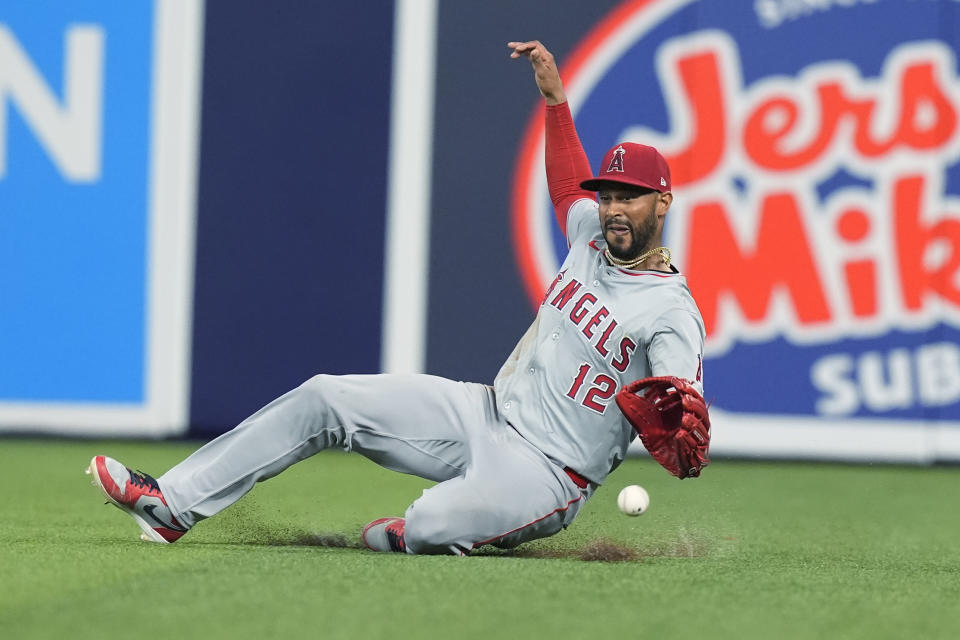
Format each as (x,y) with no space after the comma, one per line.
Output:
(578,479)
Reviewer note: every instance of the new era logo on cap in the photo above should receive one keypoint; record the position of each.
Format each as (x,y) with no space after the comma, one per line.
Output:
(630,163)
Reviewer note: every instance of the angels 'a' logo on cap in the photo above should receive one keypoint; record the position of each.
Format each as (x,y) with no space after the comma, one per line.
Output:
(616,162)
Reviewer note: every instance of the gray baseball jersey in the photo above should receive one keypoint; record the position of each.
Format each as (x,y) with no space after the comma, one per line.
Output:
(599,328)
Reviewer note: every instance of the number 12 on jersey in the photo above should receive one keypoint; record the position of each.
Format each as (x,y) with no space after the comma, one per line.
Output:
(600,391)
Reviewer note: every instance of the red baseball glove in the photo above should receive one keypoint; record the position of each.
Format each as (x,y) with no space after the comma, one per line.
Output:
(672,420)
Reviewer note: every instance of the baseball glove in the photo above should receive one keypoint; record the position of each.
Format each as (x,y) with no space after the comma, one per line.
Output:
(672,420)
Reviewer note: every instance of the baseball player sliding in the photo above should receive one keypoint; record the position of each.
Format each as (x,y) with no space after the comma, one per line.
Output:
(614,351)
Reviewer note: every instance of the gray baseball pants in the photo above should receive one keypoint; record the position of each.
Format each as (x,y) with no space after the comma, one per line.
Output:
(493,486)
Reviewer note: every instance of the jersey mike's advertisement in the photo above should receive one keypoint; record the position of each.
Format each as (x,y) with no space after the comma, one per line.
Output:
(814,151)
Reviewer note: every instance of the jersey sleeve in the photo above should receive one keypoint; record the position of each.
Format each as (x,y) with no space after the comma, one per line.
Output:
(566,163)
(583,222)
(676,349)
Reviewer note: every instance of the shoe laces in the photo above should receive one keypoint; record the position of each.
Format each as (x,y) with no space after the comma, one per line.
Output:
(143,480)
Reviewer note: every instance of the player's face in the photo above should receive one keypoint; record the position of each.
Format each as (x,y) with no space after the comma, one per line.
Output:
(632,219)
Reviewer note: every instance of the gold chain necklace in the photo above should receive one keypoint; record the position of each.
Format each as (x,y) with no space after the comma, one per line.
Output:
(634,263)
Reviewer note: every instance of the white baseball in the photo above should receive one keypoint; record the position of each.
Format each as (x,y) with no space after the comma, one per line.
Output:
(633,500)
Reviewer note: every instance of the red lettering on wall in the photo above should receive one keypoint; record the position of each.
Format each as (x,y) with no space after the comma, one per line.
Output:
(782,258)
(927,121)
(861,276)
(774,120)
(920,90)
(700,77)
(914,238)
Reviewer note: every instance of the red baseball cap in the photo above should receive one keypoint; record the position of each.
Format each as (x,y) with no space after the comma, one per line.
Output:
(629,163)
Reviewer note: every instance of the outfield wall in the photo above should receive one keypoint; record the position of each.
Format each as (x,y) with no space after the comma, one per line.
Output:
(201,205)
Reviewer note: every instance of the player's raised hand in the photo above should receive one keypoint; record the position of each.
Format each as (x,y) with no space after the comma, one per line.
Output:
(544,69)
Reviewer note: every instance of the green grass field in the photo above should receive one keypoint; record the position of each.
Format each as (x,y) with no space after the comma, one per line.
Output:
(750,550)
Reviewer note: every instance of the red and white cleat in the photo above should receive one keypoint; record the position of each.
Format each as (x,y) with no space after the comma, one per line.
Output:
(385,534)
(139,495)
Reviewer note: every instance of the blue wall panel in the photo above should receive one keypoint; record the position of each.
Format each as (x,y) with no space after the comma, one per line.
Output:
(292,195)
(72,244)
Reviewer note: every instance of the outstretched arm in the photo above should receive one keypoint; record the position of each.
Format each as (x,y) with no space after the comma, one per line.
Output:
(566,163)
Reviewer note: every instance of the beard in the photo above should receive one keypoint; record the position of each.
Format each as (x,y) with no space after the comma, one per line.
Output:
(640,238)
